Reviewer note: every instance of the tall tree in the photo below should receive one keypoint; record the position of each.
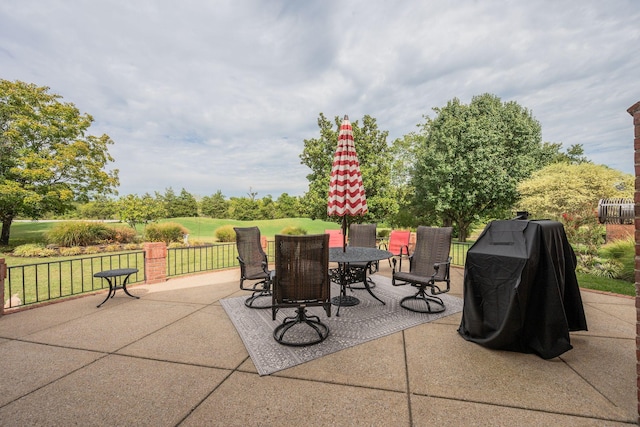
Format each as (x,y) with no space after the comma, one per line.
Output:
(47,159)
(135,210)
(215,206)
(471,157)
(244,208)
(562,188)
(288,206)
(186,205)
(375,159)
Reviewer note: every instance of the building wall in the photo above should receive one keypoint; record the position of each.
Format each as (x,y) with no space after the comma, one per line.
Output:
(634,110)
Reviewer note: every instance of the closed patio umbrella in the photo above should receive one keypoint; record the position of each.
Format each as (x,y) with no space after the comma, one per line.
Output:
(346,191)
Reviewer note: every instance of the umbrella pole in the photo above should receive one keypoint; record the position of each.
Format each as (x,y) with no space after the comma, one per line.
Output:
(344,233)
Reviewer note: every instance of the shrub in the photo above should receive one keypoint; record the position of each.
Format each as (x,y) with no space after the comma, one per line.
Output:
(622,251)
(113,248)
(72,251)
(599,267)
(33,250)
(165,232)
(131,246)
(89,250)
(226,233)
(383,233)
(125,235)
(293,231)
(80,233)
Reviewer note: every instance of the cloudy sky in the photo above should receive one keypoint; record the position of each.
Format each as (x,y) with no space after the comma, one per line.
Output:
(220,95)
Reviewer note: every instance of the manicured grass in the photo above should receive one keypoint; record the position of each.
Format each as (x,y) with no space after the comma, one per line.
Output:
(203,229)
(605,284)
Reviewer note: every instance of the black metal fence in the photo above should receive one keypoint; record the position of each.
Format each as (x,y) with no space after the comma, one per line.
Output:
(45,281)
(201,258)
(36,283)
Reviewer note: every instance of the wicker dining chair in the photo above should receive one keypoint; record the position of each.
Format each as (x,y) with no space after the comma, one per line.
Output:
(362,236)
(253,265)
(301,280)
(428,270)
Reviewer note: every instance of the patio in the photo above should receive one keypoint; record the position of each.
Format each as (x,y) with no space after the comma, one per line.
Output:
(173,357)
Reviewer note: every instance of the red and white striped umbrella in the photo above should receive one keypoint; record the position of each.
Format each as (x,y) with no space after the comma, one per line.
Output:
(346,191)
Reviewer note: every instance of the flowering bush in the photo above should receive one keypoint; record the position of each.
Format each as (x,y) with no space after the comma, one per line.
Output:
(586,235)
(583,229)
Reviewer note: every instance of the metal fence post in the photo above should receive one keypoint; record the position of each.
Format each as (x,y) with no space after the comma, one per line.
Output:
(3,275)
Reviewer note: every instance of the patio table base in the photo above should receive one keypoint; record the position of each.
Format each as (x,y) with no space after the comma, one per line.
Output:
(345,301)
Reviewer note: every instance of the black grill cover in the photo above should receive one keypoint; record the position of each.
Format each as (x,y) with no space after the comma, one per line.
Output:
(520,289)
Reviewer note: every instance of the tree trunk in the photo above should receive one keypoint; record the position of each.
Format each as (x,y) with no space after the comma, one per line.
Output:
(463,231)
(6,228)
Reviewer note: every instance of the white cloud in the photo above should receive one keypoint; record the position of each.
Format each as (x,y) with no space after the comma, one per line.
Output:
(220,95)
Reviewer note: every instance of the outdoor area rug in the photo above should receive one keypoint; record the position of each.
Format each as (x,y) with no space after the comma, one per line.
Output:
(364,322)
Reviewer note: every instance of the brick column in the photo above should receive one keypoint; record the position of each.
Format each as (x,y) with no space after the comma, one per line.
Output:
(635,112)
(155,262)
(3,275)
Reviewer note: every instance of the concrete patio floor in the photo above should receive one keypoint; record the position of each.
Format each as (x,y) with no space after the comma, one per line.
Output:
(173,357)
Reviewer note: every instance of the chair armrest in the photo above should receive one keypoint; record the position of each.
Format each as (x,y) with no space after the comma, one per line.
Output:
(435,289)
(265,267)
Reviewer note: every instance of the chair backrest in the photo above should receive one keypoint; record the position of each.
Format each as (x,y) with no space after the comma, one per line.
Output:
(433,245)
(250,250)
(399,242)
(362,235)
(302,269)
(335,238)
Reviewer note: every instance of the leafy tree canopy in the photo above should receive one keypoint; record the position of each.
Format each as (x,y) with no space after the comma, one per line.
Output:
(215,205)
(47,159)
(135,210)
(569,188)
(471,157)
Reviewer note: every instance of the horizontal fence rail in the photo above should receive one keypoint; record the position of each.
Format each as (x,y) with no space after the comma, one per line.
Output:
(36,283)
(45,281)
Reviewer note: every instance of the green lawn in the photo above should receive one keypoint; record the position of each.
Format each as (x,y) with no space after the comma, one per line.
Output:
(203,229)
(605,284)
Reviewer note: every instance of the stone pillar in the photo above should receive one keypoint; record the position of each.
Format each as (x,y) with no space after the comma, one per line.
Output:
(155,262)
(635,112)
(3,275)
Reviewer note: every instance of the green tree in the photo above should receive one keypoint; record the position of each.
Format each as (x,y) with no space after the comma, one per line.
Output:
(100,208)
(404,154)
(215,206)
(470,159)
(182,205)
(47,159)
(186,205)
(375,159)
(266,208)
(288,206)
(562,188)
(135,210)
(168,200)
(243,208)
